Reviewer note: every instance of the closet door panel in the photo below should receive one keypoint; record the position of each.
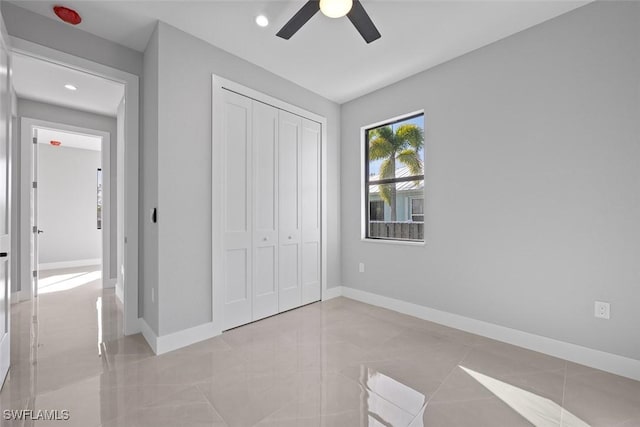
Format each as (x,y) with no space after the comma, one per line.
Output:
(310,177)
(236,155)
(310,211)
(288,162)
(310,272)
(265,135)
(265,290)
(237,208)
(236,275)
(289,283)
(265,254)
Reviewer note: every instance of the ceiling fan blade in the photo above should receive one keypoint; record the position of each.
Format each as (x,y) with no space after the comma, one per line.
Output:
(305,13)
(360,19)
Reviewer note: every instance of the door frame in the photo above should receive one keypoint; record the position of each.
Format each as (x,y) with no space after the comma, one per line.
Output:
(218,85)
(7,238)
(130,171)
(27,125)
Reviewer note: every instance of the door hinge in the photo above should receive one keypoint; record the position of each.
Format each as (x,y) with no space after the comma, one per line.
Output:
(35,273)
(34,184)
(34,228)
(35,140)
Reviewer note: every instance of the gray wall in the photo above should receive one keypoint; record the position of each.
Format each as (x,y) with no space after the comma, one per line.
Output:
(57,35)
(532,182)
(148,243)
(67,204)
(68,116)
(184,169)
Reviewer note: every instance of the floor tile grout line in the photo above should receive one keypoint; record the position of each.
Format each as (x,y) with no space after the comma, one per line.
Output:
(469,349)
(288,401)
(208,402)
(225,420)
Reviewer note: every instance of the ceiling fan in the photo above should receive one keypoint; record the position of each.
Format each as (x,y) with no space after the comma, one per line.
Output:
(333,9)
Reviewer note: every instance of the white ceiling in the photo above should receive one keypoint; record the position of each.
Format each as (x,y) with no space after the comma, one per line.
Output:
(44,81)
(326,56)
(69,139)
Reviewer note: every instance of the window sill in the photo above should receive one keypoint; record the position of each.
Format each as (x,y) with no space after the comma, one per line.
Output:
(392,242)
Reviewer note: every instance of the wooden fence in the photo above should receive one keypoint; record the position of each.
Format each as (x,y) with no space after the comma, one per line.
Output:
(397,230)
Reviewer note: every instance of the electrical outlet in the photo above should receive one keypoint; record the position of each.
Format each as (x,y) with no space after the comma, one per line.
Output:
(602,310)
(361,267)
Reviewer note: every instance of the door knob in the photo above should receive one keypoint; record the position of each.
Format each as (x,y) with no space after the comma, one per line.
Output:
(40,231)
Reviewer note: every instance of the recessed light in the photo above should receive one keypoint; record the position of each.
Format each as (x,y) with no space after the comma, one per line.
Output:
(70,86)
(262,20)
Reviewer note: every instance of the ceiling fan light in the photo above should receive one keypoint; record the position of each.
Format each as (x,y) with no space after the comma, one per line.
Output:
(262,21)
(335,8)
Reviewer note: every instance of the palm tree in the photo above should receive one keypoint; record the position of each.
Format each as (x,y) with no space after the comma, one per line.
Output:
(404,146)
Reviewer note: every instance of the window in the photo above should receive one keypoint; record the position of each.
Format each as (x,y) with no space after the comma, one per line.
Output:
(394,179)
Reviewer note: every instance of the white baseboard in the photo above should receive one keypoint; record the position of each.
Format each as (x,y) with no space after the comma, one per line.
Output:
(119,293)
(597,359)
(166,343)
(149,335)
(109,283)
(18,296)
(69,264)
(331,293)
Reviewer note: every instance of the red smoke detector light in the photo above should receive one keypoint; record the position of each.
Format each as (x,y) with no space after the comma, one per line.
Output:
(55,143)
(69,16)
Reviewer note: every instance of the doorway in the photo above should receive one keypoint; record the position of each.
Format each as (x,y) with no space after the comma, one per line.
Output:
(124,166)
(71,207)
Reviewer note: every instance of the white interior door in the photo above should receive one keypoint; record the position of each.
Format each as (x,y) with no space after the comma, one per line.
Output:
(237,209)
(5,240)
(310,211)
(265,213)
(290,291)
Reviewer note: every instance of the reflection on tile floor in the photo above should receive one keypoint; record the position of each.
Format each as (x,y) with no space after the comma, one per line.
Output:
(337,363)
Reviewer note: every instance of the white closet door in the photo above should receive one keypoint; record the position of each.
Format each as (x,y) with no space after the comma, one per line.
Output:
(237,209)
(310,210)
(289,283)
(265,235)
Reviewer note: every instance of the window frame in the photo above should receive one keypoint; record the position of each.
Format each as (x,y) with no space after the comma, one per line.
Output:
(365,182)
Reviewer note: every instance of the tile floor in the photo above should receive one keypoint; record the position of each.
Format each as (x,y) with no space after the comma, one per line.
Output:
(337,363)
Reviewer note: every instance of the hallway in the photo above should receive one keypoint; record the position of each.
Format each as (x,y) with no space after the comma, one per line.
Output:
(74,339)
